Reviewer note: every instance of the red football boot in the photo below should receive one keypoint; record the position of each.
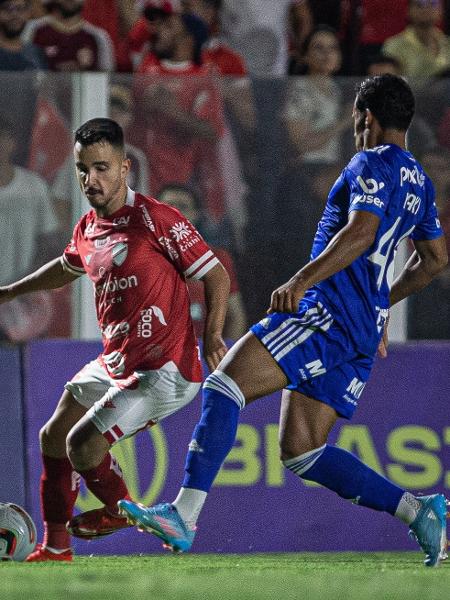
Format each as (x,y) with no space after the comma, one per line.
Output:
(96,523)
(43,554)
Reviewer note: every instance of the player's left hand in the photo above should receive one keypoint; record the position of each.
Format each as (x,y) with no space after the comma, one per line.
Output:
(286,297)
(214,349)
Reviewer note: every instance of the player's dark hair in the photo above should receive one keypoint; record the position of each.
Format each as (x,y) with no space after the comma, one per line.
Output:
(100,130)
(389,98)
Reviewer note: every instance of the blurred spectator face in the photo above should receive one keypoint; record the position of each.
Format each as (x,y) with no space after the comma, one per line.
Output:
(183,200)
(67,8)
(323,54)
(425,13)
(168,30)
(13,16)
(121,105)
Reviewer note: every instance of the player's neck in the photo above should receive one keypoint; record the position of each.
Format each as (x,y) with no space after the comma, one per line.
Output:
(392,136)
(115,204)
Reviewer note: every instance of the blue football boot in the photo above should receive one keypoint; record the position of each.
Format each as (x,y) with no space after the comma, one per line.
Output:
(429,528)
(162,520)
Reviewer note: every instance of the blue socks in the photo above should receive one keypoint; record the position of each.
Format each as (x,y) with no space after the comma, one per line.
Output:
(343,473)
(214,435)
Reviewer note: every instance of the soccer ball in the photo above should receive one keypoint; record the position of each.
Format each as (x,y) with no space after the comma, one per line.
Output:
(17,532)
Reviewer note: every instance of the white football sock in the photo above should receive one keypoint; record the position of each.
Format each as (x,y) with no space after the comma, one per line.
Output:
(407,508)
(189,503)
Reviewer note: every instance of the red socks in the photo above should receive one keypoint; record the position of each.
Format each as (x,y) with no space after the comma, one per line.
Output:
(106,482)
(59,491)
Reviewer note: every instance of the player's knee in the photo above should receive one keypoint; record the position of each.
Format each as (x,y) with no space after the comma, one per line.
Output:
(51,436)
(78,450)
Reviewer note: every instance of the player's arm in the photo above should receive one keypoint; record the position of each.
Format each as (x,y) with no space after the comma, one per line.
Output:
(50,276)
(217,289)
(427,261)
(345,247)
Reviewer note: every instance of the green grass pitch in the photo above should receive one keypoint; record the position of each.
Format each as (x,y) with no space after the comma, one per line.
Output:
(305,576)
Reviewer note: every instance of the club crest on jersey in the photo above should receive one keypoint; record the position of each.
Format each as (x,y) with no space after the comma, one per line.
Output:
(180,231)
(119,253)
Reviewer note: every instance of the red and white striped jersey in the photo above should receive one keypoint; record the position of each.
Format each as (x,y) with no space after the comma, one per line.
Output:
(138,260)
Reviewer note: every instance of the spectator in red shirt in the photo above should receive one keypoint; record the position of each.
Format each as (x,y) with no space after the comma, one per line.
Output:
(70,43)
(179,116)
(187,202)
(117,18)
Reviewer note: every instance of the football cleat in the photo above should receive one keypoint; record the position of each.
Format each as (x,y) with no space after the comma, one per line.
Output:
(163,521)
(429,528)
(43,554)
(96,523)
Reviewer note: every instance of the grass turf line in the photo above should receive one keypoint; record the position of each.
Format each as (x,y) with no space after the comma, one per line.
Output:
(309,576)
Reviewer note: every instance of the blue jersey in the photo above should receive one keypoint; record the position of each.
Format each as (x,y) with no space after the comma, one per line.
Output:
(389,182)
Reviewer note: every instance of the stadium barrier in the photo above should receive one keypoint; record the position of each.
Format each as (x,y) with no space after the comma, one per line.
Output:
(401,429)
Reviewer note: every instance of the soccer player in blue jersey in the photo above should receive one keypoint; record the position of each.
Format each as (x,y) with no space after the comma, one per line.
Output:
(320,336)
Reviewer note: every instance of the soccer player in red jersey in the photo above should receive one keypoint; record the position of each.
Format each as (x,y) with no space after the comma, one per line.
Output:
(138,254)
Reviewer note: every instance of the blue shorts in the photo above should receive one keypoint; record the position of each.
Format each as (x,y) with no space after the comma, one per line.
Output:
(316,355)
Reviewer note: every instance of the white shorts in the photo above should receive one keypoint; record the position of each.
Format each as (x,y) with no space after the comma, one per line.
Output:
(119,413)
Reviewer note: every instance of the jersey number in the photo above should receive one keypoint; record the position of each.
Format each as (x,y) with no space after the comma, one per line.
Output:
(383,257)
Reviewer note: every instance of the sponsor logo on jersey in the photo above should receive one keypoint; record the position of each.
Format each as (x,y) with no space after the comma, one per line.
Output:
(119,253)
(116,284)
(411,176)
(356,387)
(115,363)
(368,199)
(144,327)
(312,369)
(412,203)
(370,186)
(180,231)
(101,242)
(378,149)
(146,217)
(167,244)
(121,221)
(121,329)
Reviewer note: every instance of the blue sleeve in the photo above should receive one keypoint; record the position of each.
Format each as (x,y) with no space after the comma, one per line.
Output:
(429,228)
(369,183)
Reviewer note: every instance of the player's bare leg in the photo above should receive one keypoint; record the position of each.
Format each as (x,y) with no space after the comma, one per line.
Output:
(88,451)
(59,481)
(304,427)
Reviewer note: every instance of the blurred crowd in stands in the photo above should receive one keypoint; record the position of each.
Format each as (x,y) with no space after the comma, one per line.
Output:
(238,112)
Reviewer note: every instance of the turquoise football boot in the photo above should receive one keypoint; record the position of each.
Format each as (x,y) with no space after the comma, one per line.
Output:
(162,520)
(429,528)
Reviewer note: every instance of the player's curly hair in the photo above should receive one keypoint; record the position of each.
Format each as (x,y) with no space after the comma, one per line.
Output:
(100,130)
(389,98)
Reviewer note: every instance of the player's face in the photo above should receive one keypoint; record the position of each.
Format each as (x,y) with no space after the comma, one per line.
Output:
(102,171)
(359,122)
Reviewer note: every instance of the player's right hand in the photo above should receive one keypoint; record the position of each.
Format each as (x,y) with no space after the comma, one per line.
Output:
(286,297)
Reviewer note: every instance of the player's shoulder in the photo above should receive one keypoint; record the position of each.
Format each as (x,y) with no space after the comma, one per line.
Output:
(376,159)
(85,222)
(154,212)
